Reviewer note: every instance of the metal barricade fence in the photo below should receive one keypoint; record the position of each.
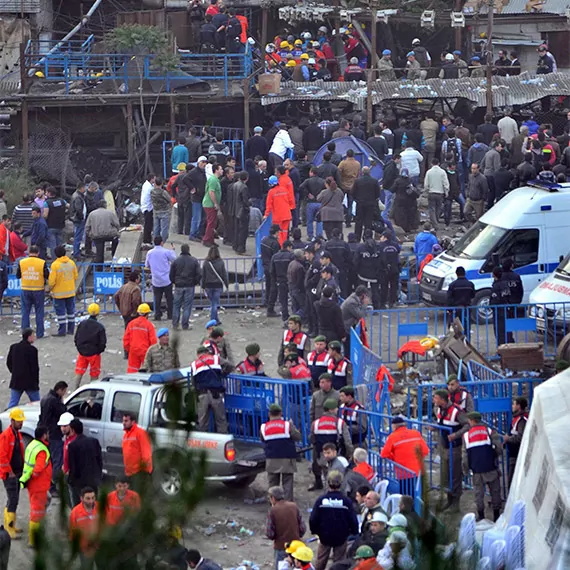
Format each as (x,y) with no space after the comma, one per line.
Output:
(229,133)
(247,401)
(261,232)
(99,283)
(390,329)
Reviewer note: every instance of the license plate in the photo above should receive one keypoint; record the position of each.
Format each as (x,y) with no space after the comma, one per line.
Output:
(427,296)
(246,463)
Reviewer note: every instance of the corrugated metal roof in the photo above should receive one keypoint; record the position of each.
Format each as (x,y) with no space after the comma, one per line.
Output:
(17,6)
(507,91)
(520,7)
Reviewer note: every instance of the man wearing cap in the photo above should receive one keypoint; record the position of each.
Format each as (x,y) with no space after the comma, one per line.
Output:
(139,336)
(217,344)
(421,55)
(90,341)
(340,368)
(279,205)
(256,145)
(302,558)
(365,558)
(11,468)
(449,69)
(161,356)
(294,368)
(295,335)
(461,64)
(329,428)
(459,395)
(324,392)
(318,360)
(279,437)
(353,71)
(386,67)
(413,67)
(284,524)
(207,378)
(357,422)
(252,365)
(333,520)
(404,446)
(477,70)
(69,435)
(376,532)
(483,447)
(455,423)
(269,247)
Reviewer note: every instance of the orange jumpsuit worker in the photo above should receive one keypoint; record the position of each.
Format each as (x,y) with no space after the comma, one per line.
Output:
(84,522)
(279,206)
(122,500)
(402,447)
(139,336)
(137,453)
(37,478)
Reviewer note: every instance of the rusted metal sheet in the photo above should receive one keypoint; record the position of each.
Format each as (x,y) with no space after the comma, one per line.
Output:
(18,6)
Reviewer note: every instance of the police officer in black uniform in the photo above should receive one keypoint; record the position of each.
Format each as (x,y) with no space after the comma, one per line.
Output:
(366,266)
(278,268)
(341,257)
(460,294)
(389,269)
(269,247)
(500,295)
(516,289)
(312,278)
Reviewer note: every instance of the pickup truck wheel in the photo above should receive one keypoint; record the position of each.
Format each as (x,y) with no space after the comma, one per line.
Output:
(481,313)
(167,480)
(240,483)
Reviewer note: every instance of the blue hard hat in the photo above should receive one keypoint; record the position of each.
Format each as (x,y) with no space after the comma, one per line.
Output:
(211,323)
(456,52)
(410,53)
(273,181)
(386,52)
(475,58)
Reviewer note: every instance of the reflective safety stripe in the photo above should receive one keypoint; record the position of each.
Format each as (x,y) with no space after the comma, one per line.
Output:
(32,451)
(477,436)
(410,440)
(276,429)
(299,338)
(327,425)
(318,359)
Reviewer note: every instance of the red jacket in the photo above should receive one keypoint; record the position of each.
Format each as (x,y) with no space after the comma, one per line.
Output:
(116,507)
(7,444)
(4,231)
(139,336)
(402,447)
(19,247)
(279,204)
(40,480)
(286,182)
(137,451)
(86,524)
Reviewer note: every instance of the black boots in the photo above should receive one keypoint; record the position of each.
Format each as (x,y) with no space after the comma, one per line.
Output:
(317,485)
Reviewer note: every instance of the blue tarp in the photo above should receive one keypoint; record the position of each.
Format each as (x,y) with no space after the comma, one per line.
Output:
(363,152)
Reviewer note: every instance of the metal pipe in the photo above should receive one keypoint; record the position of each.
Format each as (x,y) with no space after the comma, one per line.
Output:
(83,21)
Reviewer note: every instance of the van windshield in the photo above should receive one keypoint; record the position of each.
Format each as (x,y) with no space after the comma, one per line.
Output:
(564,266)
(479,241)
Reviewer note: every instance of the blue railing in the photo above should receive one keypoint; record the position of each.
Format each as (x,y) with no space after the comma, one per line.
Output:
(229,133)
(261,232)
(75,61)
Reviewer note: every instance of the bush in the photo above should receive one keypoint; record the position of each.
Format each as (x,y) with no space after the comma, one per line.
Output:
(16,182)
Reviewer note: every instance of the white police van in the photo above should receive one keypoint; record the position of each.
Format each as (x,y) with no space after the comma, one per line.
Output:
(530,225)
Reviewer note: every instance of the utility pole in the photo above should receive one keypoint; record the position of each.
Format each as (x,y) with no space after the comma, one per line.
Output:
(489,92)
(458,29)
(372,71)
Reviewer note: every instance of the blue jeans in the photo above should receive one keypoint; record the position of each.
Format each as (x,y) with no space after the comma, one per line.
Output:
(196,220)
(15,396)
(161,225)
(33,299)
(312,209)
(388,197)
(54,238)
(56,455)
(183,298)
(214,296)
(78,231)
(65,311)
(279,556)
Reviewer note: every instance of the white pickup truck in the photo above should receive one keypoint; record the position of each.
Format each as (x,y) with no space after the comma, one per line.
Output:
(99,405)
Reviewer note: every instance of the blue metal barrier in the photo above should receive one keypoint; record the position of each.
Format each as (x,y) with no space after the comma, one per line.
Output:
(247,401)
(99,282)
(261,232)
(229,133)
(390,329)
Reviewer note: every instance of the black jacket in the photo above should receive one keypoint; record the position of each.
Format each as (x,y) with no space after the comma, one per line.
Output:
(313,137)
(333,518)
(76,206)
(52,407)
(389,256)
(500,293)
(390,175)
(23,363)
(340,253)
(515,285)
(185,271)
(329,316)
(230,200)
(313,185)
(242,199)
(366,260)
(327,169)
(196,181)
(460,292)
(269,247)
(279,265)
(90,337)
(296,275)
(313,276)
(366,192)
(379,146)
(210,272)
(256,146)
(85,462)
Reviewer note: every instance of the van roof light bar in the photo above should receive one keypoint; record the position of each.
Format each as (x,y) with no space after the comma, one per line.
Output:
(544,185)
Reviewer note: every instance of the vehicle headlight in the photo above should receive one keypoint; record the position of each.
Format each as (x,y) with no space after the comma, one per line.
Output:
(532,312)
(449,279)
(563,313)
(540,312)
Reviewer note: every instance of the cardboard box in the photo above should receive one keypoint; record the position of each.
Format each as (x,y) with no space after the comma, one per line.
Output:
(269,83)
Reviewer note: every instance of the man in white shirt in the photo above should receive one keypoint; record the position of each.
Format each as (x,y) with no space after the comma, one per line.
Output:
(146,207)
(436,184)
(281,144)
(411,160)
(508,127)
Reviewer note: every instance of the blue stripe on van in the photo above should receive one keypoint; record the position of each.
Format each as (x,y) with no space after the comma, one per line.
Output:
(526,270)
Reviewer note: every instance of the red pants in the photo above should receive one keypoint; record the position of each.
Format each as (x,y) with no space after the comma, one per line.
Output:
(38,502)
(211,219)
(135,362)
(91,362)
(284,230)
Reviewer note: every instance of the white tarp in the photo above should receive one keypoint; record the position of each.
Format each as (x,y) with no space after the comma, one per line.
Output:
(542,476)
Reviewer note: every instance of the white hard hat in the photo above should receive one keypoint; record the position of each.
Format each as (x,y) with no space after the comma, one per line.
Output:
(323,29)
(416,41)
(311,61)
(65,419)
(306,35)
(448,57)
(398,520)
(379,517)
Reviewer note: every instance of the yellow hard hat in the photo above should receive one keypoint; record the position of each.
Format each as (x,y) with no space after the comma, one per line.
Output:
(175,532)
(303,553)
(93,309)
(99,74)
(293,546)
(39,74)
(17,414)
(181,166)
(291,63)
(298,43)
(304,56)
(143,309)
(284,44)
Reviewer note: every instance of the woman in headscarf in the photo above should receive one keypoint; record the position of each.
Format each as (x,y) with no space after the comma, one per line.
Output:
(405,208)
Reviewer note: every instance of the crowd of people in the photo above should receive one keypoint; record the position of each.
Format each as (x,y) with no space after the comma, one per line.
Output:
(309,57)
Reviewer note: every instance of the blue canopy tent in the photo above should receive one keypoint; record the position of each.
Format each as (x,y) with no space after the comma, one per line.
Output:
(363,152)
